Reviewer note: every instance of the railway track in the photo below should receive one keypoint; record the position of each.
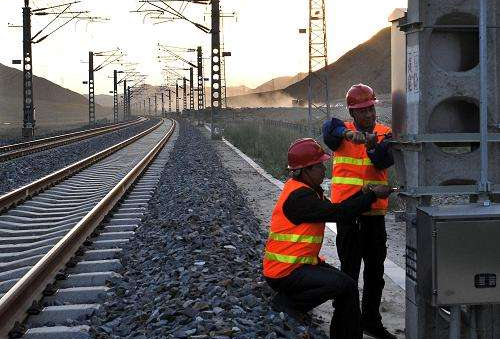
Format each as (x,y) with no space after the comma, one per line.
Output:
(13,151)
(62,244)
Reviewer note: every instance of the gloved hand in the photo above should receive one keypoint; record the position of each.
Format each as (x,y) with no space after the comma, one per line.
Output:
(371,140)
(381,191)
(355,137)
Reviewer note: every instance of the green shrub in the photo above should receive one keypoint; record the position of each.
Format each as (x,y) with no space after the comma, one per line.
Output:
(265,144)
(268,146)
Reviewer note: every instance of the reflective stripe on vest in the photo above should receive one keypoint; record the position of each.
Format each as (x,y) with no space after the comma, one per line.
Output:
(311,239)
(290,259)
(376,212)
(352,168)
(290,245)
(357,181)
(352,161)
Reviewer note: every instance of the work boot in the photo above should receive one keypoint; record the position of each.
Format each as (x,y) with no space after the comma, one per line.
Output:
(378,332)
(280,305)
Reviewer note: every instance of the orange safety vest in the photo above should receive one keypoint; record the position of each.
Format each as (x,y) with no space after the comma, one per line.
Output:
(290,246)
(352,169)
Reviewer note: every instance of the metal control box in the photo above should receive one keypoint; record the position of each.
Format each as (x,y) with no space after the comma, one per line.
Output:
(459,254)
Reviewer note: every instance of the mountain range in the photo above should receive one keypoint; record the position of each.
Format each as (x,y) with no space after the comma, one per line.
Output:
(53,104)
(368,63)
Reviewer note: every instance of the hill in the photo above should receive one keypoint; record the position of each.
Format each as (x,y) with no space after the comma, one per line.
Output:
(53,104)
(104,100)
(369,63)
(279,83)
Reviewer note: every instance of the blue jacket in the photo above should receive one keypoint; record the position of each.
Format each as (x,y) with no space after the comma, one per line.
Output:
(381,155)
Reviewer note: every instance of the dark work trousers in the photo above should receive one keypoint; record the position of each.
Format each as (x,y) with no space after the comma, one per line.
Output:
(311,285)
(365,238)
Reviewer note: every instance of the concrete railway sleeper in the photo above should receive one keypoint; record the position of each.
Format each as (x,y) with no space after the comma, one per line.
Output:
(14,151)
(63,243)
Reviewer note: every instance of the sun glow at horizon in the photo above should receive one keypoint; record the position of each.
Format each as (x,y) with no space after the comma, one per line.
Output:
(263,38)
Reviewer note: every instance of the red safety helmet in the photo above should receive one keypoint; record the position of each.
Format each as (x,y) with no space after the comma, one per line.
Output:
(360,96)
(305,152)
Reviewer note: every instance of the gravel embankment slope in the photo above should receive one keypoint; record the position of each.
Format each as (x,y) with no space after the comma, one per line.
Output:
(21,171)
(193,269)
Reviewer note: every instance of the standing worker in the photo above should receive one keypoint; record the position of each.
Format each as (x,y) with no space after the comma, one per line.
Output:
(291,263)
(361,157)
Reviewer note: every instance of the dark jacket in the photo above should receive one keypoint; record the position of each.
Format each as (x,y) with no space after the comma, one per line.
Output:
(309,205)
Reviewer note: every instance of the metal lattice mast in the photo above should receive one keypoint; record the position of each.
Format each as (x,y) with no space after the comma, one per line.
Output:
(91,90)
(129,99)
(317,93)
(162,105)
(201,89)
(191,88)
(115,94)
(57,12)
(215,56)
(28,105)
(116,118)
(110,58)
(184,93)
(169,100)
(156,105)
(176,96)
(223,68)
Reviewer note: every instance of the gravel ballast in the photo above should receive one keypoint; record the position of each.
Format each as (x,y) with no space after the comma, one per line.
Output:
(193,269)
(9,141)
(21,171)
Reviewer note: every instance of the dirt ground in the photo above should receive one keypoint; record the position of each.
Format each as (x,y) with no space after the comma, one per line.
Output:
(262,195)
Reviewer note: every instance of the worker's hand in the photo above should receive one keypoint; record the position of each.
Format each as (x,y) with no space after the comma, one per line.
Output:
(371,140)
(367,188)
(382,191)
(355,137)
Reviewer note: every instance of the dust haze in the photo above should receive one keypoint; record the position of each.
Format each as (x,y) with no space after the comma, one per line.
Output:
(269,99)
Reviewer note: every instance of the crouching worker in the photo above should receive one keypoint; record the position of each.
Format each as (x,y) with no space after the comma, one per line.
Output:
(291,264)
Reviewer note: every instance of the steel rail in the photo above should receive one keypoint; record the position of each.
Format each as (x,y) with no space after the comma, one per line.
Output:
(14,304)
(18,195)
(21,149)
(26,144)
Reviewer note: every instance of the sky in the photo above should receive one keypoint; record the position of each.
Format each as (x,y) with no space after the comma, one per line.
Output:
(263,37)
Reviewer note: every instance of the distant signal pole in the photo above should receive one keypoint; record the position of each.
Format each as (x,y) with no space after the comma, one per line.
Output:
(216,71)
(162,104)
(201,85)
(58,11)
(176,96)
(110,58)
(191,88)
(115,93)
(28,131)
(172,51)
(184,93)
(125,104)
(162,7)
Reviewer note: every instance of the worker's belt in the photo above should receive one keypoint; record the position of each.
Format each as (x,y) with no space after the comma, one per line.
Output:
(290,259)
(311,239)
(376,212)
(356,181)
(352,161)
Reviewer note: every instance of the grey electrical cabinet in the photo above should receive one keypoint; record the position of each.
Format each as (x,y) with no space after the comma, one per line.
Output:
(459,254)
